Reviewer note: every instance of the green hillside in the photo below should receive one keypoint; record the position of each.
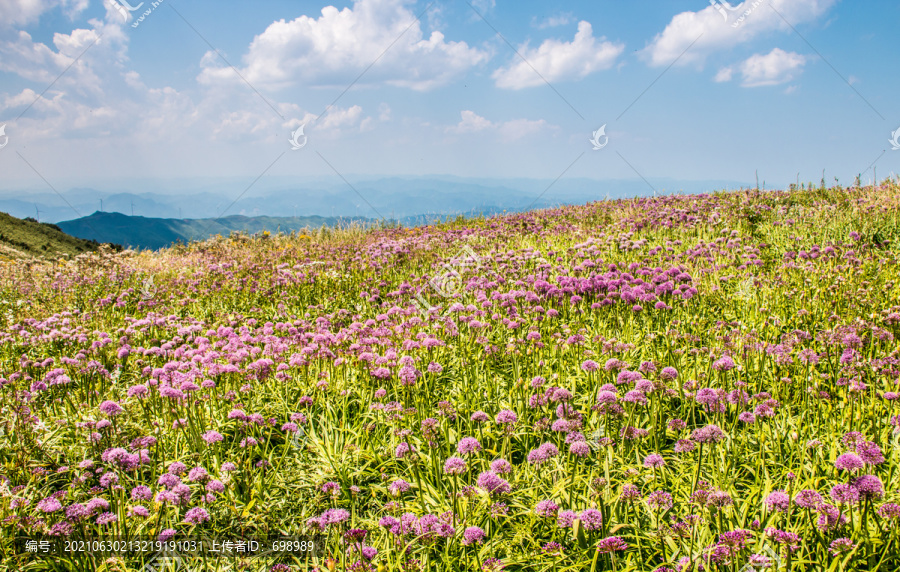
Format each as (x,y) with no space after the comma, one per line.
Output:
(28,239)
(154,233)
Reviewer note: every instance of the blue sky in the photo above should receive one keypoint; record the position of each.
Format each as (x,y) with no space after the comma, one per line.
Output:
(685,89)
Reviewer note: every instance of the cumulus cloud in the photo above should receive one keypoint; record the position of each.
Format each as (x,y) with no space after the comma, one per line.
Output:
(774,68)
(712,32)
(333,49)
(552,21)
(559,61)
(511,130)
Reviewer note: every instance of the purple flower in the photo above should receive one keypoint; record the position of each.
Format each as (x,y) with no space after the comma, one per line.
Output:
(76,512)
(870,453)
(111,408)
(546,508)
(614,364)
(198,473)
(841,546)
(196,515)
(684,446)
(492,483)
(138,390)
(506,416)
(590,366)
(473,535)
(542,453)
(455,466)
(611,544)
(398,487)
(580,449)
(139,510)
(480,417)
(808,498)
(659,500)
(778,500)
(177,468)
(889,510)
(501,466)
(168,480)
(725,363)
(166,534)
(668,373)
(591,518)
(404,449)
(49,504)
(844,494)
(709,434)
(869,487)
(215,486)
(334,516)
(106,518)
(565,518)
(848,462)
(552,548)
(109,479)
(654,460)
(629,493)
(468,445)
(830,518)
(141,492)
(332,488)
(212,437)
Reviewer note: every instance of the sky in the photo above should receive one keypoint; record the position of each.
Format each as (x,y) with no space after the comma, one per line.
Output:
(94,94)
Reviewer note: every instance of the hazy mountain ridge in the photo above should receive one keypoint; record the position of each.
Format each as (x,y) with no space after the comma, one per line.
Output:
(393,197)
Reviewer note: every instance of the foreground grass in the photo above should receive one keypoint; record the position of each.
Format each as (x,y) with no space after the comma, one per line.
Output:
(674,383)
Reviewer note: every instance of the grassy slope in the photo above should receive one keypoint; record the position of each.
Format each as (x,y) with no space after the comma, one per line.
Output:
(154,233)
(24,239)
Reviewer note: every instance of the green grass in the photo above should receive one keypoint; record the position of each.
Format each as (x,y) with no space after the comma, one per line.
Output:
(24,239)
(801,290)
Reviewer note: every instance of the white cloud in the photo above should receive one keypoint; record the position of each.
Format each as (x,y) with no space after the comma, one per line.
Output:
(511,130)
(774,68)
(471,121)
(519,128)
(712,33)
(552,21)
(484,6)
(18,13)
(333,49)
(559,61)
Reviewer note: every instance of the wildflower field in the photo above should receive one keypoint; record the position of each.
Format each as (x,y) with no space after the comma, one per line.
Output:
(675,383)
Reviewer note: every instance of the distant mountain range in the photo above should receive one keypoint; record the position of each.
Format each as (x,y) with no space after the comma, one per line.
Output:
(388,198)
(143,232)
(159,219)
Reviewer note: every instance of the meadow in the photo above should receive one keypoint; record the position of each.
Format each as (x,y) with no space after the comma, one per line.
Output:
(673,383)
